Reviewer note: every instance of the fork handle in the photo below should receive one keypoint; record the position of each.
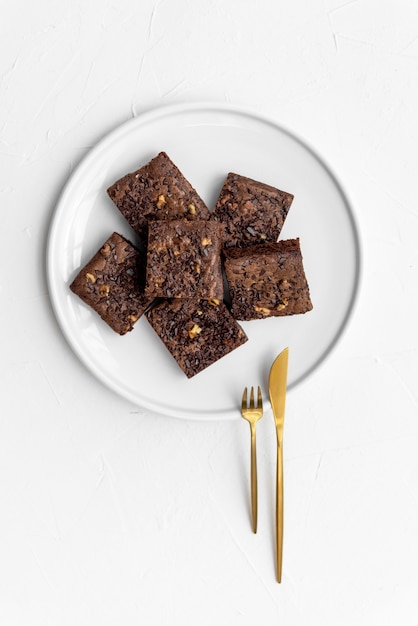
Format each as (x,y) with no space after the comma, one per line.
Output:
(254,496)
(279,511)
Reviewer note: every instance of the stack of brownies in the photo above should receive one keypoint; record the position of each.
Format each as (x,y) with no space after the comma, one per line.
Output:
(177,279)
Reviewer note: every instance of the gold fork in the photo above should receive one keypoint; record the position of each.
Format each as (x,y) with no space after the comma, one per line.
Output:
(252,414)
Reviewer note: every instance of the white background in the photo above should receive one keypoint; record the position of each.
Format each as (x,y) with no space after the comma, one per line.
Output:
(110,516)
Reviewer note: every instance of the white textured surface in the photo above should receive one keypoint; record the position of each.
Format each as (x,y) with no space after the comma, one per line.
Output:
(110,516)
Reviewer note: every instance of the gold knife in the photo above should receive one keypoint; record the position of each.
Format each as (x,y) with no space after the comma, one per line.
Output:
(277,392)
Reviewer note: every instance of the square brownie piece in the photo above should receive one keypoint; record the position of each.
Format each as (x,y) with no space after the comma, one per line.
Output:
(267,280)
(112,283)
(184,260)
(196,333)
(156,191)
(250,212)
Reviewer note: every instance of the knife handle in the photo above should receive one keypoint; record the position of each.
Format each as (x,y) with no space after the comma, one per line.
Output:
(279,511)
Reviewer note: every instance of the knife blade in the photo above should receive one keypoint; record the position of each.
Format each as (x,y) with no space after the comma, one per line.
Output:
(277,393)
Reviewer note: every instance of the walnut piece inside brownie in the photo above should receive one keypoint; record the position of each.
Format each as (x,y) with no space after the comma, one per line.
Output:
(267,280)
(156,191)
(250,212)
(196,333)
(112,283)
(184,260)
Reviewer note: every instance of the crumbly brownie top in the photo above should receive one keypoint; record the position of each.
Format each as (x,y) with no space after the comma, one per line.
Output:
(113,282)
(184,260)
(196,333)
(267,280)
(156,191)
(250,212)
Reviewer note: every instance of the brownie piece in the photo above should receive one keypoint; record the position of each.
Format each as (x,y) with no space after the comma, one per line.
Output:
(250,212)
(196,333)
(157,191)
(184,260)
(267,280)
(113,282)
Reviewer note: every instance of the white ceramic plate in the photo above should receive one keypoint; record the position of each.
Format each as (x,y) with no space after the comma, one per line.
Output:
(206,142)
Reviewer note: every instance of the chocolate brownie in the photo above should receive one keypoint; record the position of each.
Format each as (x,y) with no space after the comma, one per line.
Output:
(184,260)
(196,333)
(250,212)
(157,191)
(113,282)
(267,280)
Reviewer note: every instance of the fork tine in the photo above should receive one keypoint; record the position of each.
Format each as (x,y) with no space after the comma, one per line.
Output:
(259,399)
(244,400)
(252,398)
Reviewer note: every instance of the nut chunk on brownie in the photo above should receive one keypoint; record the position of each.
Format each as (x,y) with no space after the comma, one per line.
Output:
(184,260)
(157,191)
(196,333)
(113,282)
(250,212)
(267,280)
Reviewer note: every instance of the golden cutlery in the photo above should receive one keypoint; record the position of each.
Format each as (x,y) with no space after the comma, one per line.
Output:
(277,392)
(252,414)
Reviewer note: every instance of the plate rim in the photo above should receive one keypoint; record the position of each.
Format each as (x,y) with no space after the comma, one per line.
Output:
(164,111)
